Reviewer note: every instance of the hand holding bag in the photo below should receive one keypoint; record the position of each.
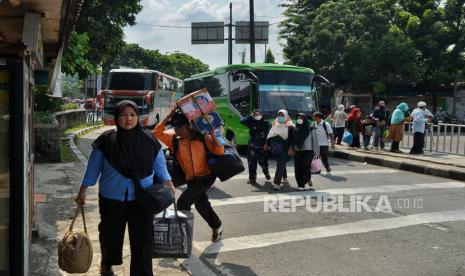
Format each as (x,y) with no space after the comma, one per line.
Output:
(172,234)
(75,249)
(316,165)
(153,199)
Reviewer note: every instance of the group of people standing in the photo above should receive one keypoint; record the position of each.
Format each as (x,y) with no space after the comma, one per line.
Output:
(282,139)
(382,125)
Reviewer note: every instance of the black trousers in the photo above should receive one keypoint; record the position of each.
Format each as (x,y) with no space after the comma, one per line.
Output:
(256,155)
(281,171)
(324,156)
(302,166)
(356,140)
(113,218)
(196,193)
(418,143)
(338,134)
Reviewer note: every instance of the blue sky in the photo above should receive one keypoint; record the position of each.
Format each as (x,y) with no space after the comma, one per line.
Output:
(151,31)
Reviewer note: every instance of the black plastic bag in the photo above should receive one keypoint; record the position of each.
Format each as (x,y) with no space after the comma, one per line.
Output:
(228,165)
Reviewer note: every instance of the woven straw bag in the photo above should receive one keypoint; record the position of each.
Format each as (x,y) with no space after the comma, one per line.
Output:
(75,249)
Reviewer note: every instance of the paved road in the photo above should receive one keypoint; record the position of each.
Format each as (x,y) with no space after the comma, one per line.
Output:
(423,235)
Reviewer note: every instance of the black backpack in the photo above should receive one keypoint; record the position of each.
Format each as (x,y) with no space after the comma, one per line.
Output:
(178,177)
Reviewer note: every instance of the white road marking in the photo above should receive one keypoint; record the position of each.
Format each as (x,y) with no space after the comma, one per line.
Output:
(339,191)
(245,175)
(363,226)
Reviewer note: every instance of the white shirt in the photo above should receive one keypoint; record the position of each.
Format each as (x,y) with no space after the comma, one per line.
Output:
(323,139)
(420,117)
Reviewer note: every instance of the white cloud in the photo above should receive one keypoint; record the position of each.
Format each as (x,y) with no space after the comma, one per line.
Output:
(150,34)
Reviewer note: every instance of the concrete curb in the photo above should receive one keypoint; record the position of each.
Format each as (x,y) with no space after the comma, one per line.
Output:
(73,146)
(403,164)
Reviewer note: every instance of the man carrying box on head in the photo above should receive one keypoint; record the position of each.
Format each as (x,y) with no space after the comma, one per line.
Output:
(192,157)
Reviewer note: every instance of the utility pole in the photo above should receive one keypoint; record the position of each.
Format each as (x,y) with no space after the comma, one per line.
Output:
(230,58)
(252,32)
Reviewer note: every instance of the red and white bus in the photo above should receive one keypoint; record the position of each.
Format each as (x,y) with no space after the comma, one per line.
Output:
(154,92)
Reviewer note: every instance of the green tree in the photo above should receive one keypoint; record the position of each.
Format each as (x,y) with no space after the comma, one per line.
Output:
(72,87)
(186,65)
(102,21)
(75,58)
(179,65)
(354,43)
(269,58)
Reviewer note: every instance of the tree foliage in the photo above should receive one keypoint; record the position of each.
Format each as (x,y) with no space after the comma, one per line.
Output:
(99,34)
(376,43)
(179,65)
(269,58)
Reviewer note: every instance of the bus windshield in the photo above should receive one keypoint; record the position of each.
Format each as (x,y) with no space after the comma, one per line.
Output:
(129,81)
(111,101)
(286,90)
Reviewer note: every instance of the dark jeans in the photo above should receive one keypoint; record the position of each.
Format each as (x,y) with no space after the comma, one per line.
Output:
(113,218)
(196,193)
(302,166)
(281,171)
(366,141)
(418,143)
(324,156)
(356,140)
(378,142)
(256,155)
(338,134)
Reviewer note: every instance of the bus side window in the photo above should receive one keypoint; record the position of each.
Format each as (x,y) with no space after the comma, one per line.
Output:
(239,96)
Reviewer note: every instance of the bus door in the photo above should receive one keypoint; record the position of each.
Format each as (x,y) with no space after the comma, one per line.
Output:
(324,94)
(243,94)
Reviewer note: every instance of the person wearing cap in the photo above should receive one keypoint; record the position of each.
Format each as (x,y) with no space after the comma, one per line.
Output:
(191,154)
(420,117)
(258,130)
(325,136)
(118,158)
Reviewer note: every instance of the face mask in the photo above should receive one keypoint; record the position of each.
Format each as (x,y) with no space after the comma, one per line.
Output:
(300,121)
(258,117)
(281,119)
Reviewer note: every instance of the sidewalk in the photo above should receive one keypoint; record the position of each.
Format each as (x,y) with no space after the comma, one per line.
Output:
(432,163)
(56,185)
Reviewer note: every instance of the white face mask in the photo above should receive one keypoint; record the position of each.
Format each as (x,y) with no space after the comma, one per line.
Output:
(258,117)
(300,121)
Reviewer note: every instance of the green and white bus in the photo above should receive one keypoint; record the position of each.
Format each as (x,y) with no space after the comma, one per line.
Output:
(238,89)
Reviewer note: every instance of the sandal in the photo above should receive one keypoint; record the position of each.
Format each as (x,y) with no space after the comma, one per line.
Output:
(217,236)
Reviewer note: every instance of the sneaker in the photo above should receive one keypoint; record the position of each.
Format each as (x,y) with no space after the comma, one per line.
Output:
(285,182)
(301,189)
(251,181)
(328,170)
(366,148)
(398,151)
(276,187)
(106,270)
(376,148)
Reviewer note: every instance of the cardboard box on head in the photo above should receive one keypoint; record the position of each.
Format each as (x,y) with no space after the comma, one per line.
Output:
(196,104)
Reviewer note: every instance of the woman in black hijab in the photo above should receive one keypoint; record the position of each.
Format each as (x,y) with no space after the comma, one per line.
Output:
(305,148)
(119,158)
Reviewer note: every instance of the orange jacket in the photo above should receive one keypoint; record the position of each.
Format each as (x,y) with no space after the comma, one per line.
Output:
(191,155)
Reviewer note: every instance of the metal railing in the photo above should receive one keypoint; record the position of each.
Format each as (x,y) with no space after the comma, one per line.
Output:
(444,138)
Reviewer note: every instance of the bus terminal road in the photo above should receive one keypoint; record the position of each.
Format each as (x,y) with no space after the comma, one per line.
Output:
(373,220)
